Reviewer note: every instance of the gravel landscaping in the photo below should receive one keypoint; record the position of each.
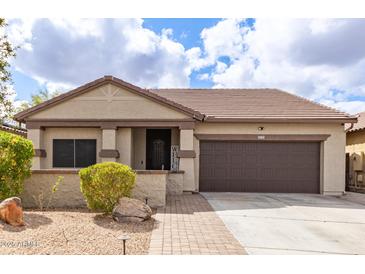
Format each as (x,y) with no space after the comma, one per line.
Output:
(74,232)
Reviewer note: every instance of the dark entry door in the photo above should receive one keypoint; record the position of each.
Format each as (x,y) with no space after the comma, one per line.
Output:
(228,166)
(158,149)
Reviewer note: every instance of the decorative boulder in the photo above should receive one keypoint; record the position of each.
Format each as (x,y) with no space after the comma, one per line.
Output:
(131,210)
(11,211)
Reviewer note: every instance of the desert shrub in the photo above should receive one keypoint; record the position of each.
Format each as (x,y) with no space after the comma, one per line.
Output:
(40,198)
(16,155)
(103,184)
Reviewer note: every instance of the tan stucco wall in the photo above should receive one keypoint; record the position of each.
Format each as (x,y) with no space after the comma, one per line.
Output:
(187,164)
(152,186)
(355,139)
(355,147)
(175,184)
(99,104)
(67,195)
(131,144)
(109,138)
(125,146)
(37,138)
(175,136)
(333,162)
(139,152)
(69,133)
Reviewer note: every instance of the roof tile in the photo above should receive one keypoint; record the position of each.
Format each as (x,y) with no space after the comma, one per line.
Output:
(249,104)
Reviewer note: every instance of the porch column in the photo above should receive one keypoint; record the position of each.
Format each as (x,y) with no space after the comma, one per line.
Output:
(187,155)
(125,144)
(36,136)
(109,152)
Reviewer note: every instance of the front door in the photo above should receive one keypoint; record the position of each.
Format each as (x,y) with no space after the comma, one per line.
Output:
(158,150)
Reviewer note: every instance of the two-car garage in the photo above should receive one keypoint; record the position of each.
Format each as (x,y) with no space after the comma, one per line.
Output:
(255,166)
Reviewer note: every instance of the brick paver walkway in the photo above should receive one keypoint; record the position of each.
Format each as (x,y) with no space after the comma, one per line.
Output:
(189,225)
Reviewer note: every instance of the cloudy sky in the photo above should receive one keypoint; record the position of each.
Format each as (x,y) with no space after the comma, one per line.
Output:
(320,59)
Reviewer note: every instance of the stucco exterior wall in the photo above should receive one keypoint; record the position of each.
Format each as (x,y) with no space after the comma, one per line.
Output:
(175,183)
(68,194)
(139,148)
(355,140)
(355,147)
(175,136)
(333,158)
(68,133)
(109,102)
(148,184)
(152,186)
(125,146)
(37,138)
(131,144)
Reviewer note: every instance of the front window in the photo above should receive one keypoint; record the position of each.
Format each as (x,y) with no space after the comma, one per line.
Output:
(74,153)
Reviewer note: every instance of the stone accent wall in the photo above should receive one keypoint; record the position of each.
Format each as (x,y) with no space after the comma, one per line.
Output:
(175,183)
(149,184)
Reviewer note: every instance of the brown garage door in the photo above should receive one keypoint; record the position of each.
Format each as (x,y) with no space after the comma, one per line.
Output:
(259,167)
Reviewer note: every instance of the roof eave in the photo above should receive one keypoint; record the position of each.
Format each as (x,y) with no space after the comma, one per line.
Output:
(280,120)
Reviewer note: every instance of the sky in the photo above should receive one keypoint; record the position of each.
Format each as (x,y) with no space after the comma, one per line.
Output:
(320,59)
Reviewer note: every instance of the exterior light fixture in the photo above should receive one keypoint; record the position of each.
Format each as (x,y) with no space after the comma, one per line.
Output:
(124,238)
(260,128)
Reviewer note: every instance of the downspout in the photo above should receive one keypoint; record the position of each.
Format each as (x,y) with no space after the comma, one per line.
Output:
(350,127)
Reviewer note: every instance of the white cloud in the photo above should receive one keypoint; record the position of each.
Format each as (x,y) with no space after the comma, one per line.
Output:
(66,53)
(323,60)
(352,107)
(204,76)
(224,39)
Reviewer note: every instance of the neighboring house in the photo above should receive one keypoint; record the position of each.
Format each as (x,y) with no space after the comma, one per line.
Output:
(13,129)
(355,162)
(251,140)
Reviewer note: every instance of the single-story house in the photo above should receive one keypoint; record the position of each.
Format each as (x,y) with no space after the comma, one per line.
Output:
(355,156)
(223,140)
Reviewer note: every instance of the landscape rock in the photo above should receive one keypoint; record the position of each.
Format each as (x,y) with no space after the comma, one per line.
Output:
(11,211)
(131,210)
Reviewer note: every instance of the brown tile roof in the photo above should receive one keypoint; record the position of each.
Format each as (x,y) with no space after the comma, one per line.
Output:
(360,122)
(269,105)
(252,105)
(13,129)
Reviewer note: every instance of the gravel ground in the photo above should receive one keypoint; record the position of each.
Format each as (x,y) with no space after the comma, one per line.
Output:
(73,232)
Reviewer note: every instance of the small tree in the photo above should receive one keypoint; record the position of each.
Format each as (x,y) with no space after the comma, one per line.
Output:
(6,52)
(16,155)
(103,184)
(42,95)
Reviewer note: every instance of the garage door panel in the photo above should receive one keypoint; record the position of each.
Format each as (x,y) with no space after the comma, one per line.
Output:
(259,167)
(250,173)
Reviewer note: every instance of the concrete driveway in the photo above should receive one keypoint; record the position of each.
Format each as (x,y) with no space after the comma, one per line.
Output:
(292,223)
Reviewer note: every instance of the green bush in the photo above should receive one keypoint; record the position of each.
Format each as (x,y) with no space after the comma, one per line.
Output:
(103,184)
(16,155)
